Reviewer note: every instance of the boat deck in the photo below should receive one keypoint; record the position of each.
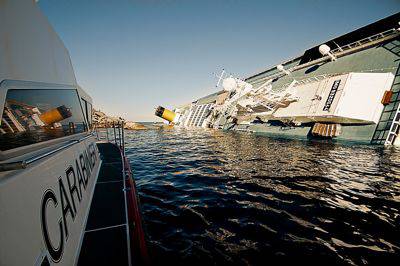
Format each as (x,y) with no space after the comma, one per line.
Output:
(106,237)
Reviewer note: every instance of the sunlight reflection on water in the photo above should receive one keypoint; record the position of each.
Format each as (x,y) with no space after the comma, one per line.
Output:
(212,197)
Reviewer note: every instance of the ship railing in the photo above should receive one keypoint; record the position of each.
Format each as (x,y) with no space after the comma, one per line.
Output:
(306,81)
(338,52)
(112,132)
(324,76)
(367,40)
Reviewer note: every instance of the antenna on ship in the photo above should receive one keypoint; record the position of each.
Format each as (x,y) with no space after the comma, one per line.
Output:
(220,77)
(340,48)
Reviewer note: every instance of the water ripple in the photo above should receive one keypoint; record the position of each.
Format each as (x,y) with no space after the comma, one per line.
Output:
(216,198)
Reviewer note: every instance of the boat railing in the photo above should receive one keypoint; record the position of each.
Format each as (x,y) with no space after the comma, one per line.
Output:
(325,76)
(367,40)
(306,81)
(337,52)
(112,132)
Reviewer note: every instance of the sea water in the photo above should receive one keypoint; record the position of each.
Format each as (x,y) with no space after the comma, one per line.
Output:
(227,198)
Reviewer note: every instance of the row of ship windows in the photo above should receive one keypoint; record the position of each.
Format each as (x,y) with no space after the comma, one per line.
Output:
(198,115)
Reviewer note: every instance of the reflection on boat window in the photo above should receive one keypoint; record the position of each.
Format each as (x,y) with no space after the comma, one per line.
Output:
(32,116)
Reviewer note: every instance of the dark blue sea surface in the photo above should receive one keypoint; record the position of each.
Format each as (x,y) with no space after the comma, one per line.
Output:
(226,198)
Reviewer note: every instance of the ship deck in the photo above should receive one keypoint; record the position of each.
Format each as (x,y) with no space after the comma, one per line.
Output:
(106,236)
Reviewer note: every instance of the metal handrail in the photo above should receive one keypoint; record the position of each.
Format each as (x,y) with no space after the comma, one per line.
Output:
(365,40)
(24,163)
(307,80)
(338,52)
(324,76)
(119,133)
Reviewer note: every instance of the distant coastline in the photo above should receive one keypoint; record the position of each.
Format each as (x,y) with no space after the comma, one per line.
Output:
(102,120)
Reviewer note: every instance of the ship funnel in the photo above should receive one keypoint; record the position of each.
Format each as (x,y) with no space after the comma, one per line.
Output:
(326,50)
(282,69)
(165,114)
(55,115)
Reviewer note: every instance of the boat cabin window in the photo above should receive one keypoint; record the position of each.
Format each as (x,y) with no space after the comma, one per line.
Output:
(88,112)
(32,116)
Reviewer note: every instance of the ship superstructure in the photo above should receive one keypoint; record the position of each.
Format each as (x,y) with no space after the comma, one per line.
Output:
(346,88)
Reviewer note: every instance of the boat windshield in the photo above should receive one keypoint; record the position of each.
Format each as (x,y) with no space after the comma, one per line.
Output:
(32,116)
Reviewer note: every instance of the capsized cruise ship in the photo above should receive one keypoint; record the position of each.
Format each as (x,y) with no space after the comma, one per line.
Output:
(347,88)
(66,198)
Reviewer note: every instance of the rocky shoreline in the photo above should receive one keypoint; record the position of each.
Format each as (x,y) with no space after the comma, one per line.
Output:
(102,120)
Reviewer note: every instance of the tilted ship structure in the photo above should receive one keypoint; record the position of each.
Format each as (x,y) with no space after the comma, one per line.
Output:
(347,88)
(66,198)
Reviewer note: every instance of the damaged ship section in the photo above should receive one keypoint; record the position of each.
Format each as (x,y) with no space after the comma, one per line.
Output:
(347,88)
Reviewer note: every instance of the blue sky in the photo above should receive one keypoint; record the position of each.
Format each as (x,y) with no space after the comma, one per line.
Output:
(132,56)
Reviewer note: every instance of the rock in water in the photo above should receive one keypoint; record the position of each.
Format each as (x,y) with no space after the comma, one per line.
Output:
(134,126)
